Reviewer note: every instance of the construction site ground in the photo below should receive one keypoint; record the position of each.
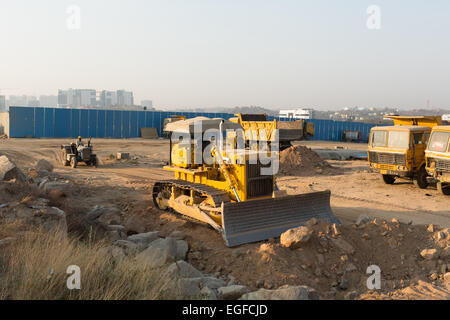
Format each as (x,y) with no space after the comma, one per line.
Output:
(355,191)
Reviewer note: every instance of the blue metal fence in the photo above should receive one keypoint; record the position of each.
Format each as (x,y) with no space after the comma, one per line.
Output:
(71,123)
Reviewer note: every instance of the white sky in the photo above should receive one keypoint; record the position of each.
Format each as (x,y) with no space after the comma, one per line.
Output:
(209,53)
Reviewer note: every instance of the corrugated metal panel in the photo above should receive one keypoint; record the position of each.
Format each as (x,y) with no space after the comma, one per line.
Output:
(66,123)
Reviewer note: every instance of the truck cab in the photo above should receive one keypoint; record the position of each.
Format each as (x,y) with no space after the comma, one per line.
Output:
(399,152)
(437,157)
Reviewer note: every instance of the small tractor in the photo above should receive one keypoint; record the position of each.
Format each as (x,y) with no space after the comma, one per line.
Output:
(235,192)
(77,152)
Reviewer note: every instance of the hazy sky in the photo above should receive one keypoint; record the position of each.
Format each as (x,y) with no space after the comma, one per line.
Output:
(208,53)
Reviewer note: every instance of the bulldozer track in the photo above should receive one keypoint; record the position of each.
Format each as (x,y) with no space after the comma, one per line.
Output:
(217,195)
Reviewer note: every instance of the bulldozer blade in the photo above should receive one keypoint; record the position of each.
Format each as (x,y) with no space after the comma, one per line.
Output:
(252,221)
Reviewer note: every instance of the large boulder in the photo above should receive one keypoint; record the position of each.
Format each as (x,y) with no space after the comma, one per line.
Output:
(162,251)
(51,219)
(283,293)
(295,238)
(233,292)
(144,239)
(9,171)
(43,165)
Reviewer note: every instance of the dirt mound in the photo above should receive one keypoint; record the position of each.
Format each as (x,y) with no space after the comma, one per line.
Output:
(300,160)
(335,260)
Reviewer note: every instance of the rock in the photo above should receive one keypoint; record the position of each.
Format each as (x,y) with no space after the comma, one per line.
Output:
(311,223)
(440,235)
(117,253)
(128,246)
(431,228)
(51,219)
(182,249)
(182,269)
(283,293)
(178,235)
(9,171)
(395,220)
(108,216)
(134,225)
(321,258)
(295,238)
(144,239)
(447,277)
(43,165)
(344,284)
(363,219)
(51,186)
(233,292)
(7,241)
(208,294)
(429,254)
(161,252)
(343,245)
(191,288)
(366,236)
(352,295)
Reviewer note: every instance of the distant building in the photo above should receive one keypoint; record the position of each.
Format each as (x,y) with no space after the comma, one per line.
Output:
(2,103)
(19,101)
(48,101)
(108,98)
(296,114)
(125,98)
(77,98)
(148,104)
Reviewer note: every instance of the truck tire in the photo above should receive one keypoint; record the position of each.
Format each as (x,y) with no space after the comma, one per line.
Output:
(388,179)
(421,179)
(443,188)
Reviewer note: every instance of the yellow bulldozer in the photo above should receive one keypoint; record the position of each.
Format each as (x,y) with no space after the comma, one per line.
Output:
(231,188)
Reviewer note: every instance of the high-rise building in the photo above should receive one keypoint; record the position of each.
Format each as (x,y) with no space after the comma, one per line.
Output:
(125,98)
(77,98)
(2,103)
(48,101)
(108,98)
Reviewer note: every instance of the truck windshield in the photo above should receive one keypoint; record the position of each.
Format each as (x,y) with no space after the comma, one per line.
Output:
(398,139)
(379,138)
(439,141)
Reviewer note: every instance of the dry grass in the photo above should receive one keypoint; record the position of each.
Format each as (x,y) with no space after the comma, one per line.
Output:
(34,268)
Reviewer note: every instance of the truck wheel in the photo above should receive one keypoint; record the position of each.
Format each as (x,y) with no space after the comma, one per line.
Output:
(73,162)
(443,188)
(421,179)
(388,179)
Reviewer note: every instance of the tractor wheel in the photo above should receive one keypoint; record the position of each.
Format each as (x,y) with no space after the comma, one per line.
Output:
(64,161)
(421,179)
(95,162)
(73,162)
(443,188)
(388,179)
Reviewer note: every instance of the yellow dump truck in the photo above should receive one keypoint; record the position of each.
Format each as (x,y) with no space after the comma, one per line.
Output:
(437,157)
(258,128)
(398,151)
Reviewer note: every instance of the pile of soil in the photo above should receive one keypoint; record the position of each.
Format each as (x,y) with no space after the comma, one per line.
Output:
(335,263)
(302,161)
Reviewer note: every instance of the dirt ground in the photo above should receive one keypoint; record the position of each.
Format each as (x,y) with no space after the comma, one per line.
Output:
(355,191)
